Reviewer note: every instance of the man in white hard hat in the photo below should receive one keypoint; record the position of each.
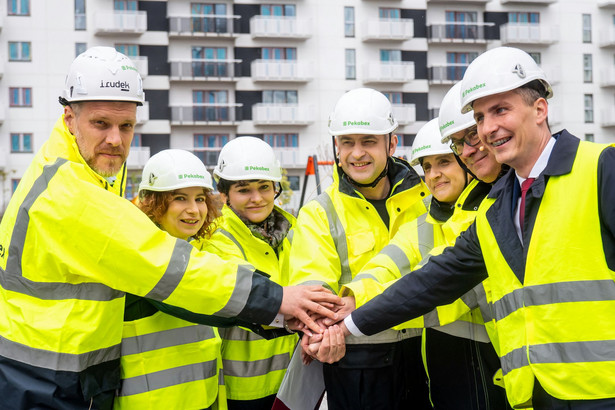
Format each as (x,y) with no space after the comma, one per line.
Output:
(372,195)
(545,236)
(70,246)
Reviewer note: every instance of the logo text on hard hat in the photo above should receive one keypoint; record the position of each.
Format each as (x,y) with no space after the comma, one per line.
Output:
(448,124)
(518,69)
(122,85)
(472,89)
(128,67)
(255,168)
(191,176)
(350,123)
(419,149)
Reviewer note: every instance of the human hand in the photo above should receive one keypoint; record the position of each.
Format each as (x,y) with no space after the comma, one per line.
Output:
(328,347)
(343,311)
(299,301)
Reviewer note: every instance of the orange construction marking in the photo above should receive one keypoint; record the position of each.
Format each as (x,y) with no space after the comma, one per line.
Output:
(309,169)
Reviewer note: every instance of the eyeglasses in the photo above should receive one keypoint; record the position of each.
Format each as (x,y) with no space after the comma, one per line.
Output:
(470,139)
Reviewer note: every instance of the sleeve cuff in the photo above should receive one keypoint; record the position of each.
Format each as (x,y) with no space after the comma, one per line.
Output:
(352,328)
(278,321)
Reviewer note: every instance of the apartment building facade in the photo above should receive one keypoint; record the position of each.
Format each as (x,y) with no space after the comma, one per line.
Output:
(273,69)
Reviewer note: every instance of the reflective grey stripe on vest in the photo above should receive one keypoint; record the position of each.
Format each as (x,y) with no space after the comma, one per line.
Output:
(166,338)
(12,278)
(290,235)
(174,273)
(221,379)
(235,333)
(431,319)
(568,352)
(240,294)
(426,240)
(234,240)
(54,360)
(255,368)
(551,293)
(486,308)
(168,378)
(338,234)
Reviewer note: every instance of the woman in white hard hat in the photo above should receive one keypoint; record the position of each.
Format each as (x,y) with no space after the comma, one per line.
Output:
(167,362)
(255,229)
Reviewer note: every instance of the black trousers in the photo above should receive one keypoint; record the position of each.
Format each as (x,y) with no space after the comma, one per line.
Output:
(544,401)
(386,376)
(263,403)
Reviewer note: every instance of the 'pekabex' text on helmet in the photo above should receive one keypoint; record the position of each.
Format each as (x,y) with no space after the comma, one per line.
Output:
(450,117)
(247,158)
(103,74)
(362,111)
(174,169)
(499,70)
(427,142)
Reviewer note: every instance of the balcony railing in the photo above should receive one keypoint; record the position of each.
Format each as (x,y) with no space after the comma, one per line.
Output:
(282,114)
(280,27)
(137,157)
(141,64)
(291,157)
(607,77)
(527,33)
(433,112)
(404,113)
(388,72)
(209,156)
(446,74)
(206,114)
(120,22)
(217,70)
(607,117)
(457,32)
(606,4)
(143,113)
(388,29)
(460,1)
(281,70)
(207,25)
(527,1)
(607,37)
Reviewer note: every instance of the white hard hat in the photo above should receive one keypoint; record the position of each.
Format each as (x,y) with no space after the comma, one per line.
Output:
(427,142)
(362,111)
(174,169)
(103,74)
(499,70)
(246,158)
(450,118)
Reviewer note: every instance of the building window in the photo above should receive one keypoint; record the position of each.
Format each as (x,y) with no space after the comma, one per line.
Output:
(14,183)
(129,50)
(393,96)
(125,5)
(136,141)
(293,182)
(80,18)
(282,140)
(351,64)
(20,51)
(392,56)
(587,28)
(280,97)
(279,53)
(18,7)
(536,56)
(389,13)
(203,20)
(405,140)
(202,64)
(21,142)
(349,21)
(589,108)
(278,10)
(524,17)
(457,64)
(80,48)
(210,105)
(20,97)
(587,68)
(207,147)
(589,137)
(462,26)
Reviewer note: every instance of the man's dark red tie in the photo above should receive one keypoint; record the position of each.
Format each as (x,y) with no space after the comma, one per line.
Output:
(524,187)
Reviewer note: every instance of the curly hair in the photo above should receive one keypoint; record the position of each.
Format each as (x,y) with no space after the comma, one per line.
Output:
(155,205)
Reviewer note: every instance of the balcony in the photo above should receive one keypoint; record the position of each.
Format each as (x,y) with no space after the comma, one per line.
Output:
(607,77)
(537,2)
(143,113)
(388,29)
(457,32)
(388,72)
(280,27)
(526,33)
(607,37)
(209,156)
(607,119)
(137,157)
(206,114)
(204,70)
(141,64)
(291,157)
(404,113)
(606,4)
(282,114)
(446,74)
(460,1)
(433,112)
(120,22)
(281,70)
(208,25)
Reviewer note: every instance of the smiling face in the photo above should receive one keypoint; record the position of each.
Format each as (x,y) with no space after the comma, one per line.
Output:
(513,130)
(444,177)
(103,131)
(252,200)
(481,163)
(186,212)
(364,157)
